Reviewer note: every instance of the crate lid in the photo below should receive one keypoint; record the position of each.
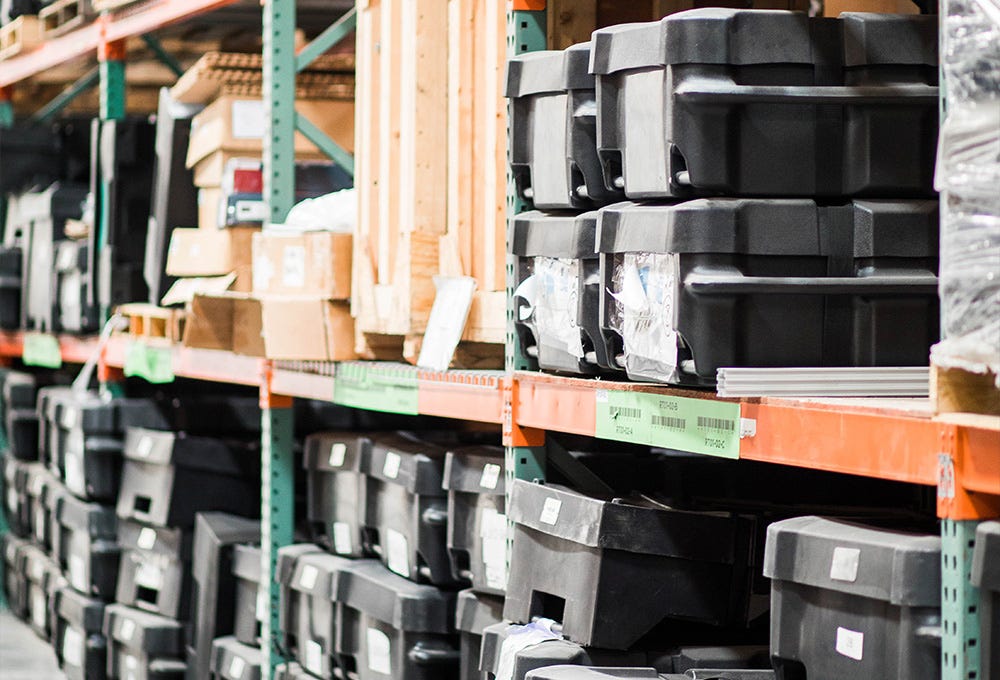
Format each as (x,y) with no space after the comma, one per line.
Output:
(99,521)
(873,38)
(312,573)
(336,451)
(369,587)
(79,610)
(475,469)
(179,449)
(891,566)
(540,234)
(246,562)
(550,71)
(153,634)
(476,611)
(288,556)
(19,390)
(986,557)
(212,531)
(403,459)
(233,660)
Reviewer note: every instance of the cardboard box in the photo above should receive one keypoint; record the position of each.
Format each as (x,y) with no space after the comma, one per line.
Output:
(209,202)
(833,8)
(227,321)
(211,252)
(316,263)
(307,329)
(237,125)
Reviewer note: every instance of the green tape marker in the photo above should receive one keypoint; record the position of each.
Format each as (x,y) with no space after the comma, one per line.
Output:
(42,350)
(152,364)
(376,388)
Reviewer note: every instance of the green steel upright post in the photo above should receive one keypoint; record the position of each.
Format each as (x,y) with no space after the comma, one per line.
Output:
(278,470)
(960,628)
(4,527)
(111,64)
(6,107)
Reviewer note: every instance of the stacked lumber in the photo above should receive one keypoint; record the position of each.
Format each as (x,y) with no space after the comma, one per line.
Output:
(20,35)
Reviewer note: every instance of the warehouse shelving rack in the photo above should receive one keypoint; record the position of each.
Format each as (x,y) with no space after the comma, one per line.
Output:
(891,439)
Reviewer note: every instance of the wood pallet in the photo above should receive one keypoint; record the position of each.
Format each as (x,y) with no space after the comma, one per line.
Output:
(112,5)
(20,35)
(201,86)
(151,323)
(956,391)
(64,16)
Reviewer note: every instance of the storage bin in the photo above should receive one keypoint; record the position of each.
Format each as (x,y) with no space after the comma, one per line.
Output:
(477,525)
(307,615)
(388,626)
(10,287)
(73,282)
(710,283)
(168,477)
(407,507)
(20,390)
(335,490)
(591,564)
(553,122)
(20,413)
(37,483)
(581,673)
(16,495)
(558,291)
(215,596)
(84,543)
(43,579)
(15,577)
(473,614)
(986,576)
(155,569)
(731,102)
(248,614)
(233,660)
(142,646)
(79,643)
(853,601)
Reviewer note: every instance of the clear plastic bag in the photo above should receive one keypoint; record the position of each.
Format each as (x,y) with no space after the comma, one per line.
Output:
(557,283)
(644,286)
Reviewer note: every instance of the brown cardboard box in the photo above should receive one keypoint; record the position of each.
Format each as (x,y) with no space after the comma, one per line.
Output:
(307,329)
(211,252)
(237,125)
(209,201)
(227,321)
(316,263)
(833,8)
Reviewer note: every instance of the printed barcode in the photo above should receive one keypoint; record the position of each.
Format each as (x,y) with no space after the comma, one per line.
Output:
(669,421)
(625,412)
(716,424)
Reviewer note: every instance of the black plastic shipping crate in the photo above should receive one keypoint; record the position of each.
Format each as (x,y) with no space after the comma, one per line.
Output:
(38,481)
(11,261)
(336,490)
(591,564)
(544,647)
(215,591)
(407,512)
(15,474)
(553,154)
(168,477)
(233,660)
(388,626)
(43,579)
(559,291)
(84,442)
(710,283)
(477,524)
(768,103)
(307,615)
(247,611)
(142,646)
(473,614)
(15,578)
(80,645)
(986,576)
(853,601)
(583,673)
(77,310)
(85,545)
(155,569)
(20,396)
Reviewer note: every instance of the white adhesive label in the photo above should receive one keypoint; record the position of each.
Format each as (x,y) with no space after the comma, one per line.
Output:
(251,211)
(37,572)
(379,652)
(550,511)
(72,647)
(844,566)
(149,576)
(850,643)
(314,657)
(493,532)
(73,473)
(490,476)
(391,467)
(307,577)
(147,538)
(12,500)
(126,630)
(248,119)
(69,418)
(261,604)
(37,484)
(144,447)
(293,266)
(131,667)
(236,667)
(342,538)
(39,608)
(397,553)
(78,573)
(338,452)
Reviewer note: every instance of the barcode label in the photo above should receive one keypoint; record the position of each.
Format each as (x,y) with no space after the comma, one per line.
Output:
(722,424)
(669,422)
(626,412)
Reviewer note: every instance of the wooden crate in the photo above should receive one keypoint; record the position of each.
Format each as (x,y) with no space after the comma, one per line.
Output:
(111,5)
(20,35)
(956,391)
(151,323)
(63,16)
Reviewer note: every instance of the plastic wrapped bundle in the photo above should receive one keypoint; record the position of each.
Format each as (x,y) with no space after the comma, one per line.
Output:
(968,176)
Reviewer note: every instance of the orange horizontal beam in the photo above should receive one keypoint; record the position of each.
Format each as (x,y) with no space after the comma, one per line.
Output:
(302,385)
(463,395)
(545,402)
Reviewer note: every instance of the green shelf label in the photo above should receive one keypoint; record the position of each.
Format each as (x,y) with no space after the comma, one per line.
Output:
(152,364)
(704,426)
(42,349)
(376,387)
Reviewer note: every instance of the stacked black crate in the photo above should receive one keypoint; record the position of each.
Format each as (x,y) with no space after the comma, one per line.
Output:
(168,479)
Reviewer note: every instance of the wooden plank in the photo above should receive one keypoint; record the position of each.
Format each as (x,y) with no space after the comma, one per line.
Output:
(63,16)
(954,390)
(20,35)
